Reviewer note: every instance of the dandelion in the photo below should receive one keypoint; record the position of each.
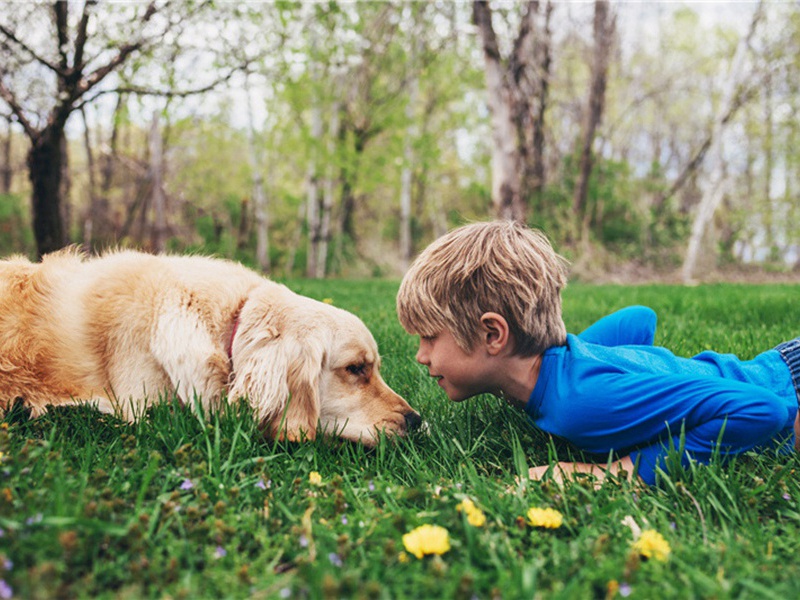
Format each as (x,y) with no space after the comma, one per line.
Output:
(548,518)
(475,516)
(402,557)
(187,484)
(652,544)
(314,478)
(427,539)
(328,300)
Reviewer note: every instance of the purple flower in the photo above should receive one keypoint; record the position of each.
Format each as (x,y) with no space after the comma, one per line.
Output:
(5,590)
(344,519)
(303,541)
(261,485)
(220,552)
(187,484)
(371,486)
(335,559)
(285,592)
(625,589)
(787,497)
(8,564)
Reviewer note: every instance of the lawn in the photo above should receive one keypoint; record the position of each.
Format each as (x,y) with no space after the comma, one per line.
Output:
(190,506)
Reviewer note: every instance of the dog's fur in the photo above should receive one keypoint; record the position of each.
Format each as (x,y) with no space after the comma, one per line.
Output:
(128,329)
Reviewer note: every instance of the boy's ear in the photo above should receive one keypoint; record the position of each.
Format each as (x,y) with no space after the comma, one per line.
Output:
(495,335)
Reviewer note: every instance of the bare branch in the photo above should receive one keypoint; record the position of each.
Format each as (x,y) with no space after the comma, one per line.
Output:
(16,109)
(11,36)
(80,40)
(60,12)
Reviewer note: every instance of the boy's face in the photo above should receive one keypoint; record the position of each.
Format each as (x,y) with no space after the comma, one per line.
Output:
(461,375)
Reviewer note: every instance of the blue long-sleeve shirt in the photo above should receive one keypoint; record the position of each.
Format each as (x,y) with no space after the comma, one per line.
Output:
(608,389)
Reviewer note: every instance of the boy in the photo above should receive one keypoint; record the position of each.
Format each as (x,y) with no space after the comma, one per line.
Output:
(485,301)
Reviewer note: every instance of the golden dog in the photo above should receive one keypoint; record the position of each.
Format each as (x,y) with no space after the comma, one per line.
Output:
(122,330)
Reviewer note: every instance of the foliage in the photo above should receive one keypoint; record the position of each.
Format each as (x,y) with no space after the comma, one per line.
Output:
(15,232)
(201,506)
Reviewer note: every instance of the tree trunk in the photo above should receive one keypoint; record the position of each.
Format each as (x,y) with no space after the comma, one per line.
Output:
(603,35)
(157,182)
(260,201)
(537,169)
(407,173)
(8,172)
(45,171)
(88,223)
(715,189)
(328,193)
(312,192)
(506,180)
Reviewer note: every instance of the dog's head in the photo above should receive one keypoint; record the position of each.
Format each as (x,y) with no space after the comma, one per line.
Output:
(304,364)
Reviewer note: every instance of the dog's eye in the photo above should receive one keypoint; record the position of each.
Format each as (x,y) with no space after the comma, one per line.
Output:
(356,369)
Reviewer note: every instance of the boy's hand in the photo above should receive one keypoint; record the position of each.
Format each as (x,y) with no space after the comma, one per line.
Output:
(563,471)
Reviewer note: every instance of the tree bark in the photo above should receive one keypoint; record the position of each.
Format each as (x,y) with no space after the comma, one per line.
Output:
(506,180)
(714,191)
(603,37)
(260,201)
(45,161)
(8,172)
(158,201)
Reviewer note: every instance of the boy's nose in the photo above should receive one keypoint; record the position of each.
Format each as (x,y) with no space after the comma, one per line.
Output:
(422,357)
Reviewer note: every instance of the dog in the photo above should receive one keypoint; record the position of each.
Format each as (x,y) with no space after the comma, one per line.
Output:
(127,329)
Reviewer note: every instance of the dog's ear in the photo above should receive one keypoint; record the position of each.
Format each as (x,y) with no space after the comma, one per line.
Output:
(279,375)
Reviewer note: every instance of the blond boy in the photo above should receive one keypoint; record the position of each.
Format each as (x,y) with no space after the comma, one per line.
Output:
(485,300)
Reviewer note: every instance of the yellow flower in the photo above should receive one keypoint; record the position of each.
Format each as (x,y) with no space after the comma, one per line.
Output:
(427,539)
(328,300)
(402,557)
(475,516)
(545,517)
(652,544)
(314,478)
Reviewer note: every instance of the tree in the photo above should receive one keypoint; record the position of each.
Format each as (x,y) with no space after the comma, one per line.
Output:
(517,90)
(732,99)
(71,68)
(604,25)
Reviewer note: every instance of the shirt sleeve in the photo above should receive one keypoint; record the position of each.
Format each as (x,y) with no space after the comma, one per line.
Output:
(647,414)
(634,325)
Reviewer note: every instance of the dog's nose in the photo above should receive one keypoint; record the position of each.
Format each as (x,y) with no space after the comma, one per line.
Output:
(413,421)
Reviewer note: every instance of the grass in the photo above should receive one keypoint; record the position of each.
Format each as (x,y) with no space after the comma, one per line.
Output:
(183,505)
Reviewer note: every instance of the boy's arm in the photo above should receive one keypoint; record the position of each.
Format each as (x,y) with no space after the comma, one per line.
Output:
(698,416)
(634,325)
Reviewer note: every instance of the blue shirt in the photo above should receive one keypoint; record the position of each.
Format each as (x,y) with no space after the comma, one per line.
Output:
(608,389)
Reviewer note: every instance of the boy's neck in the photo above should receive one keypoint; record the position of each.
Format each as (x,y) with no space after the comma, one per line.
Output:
(520,375)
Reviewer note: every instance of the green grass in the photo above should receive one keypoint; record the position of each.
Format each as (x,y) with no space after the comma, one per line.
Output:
(189,506)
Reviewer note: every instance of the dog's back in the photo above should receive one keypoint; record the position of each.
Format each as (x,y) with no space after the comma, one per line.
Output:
(69,323)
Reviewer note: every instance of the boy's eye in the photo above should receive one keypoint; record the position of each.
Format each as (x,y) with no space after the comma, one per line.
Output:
(427,338)
(356,369)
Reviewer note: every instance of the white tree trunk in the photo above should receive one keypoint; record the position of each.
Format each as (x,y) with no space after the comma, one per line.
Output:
(328,193)
(260,200)
(714,192)
(406,176)
(157,181)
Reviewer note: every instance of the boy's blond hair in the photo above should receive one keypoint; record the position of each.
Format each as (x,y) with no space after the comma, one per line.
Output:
(499,266)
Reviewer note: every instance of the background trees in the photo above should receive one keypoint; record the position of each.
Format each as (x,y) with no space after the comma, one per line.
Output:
(371,128)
